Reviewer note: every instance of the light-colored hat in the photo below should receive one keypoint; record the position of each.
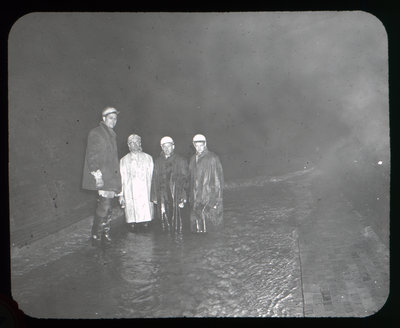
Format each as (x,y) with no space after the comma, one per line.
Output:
(109,110)
(166,139)
(135,138)
(199,137)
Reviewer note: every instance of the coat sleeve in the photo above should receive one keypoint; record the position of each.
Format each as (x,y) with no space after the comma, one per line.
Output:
(190,182)
(122,170)
(184,175)
(154,183)
(220,175)
(94,154)
(216,182)
(150,171)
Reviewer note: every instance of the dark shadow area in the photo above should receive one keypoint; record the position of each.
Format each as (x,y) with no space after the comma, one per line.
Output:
(273,92)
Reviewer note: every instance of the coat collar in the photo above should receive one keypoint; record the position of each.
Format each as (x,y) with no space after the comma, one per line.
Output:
(162,155)
(135,154)
(104,126)
(204,153)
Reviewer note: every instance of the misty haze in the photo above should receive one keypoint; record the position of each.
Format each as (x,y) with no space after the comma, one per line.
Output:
(294,104)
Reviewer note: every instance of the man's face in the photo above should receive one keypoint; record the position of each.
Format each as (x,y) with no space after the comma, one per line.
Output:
(168,149)
(110,120)
(200,146)
(135,145)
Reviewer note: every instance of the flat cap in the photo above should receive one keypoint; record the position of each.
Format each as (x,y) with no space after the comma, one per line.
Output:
(109,110)
(199,137)
(166,139)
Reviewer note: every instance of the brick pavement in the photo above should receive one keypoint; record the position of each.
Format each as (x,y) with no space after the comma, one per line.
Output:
(345,267)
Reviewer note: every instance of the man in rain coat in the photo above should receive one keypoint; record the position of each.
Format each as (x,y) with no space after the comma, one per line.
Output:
(136,173)
(206,184)
(101,173)
(170,178)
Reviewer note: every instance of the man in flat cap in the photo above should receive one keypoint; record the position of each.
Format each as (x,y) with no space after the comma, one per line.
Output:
(136,173)
(101,173)
(206,184)
(170,181)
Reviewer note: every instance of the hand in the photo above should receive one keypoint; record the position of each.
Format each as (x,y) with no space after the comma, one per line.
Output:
(99,182)
(182,203)
(213,205)
(122,202)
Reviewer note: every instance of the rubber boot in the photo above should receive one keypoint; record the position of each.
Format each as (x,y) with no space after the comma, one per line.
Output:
(106,227)
(96,231)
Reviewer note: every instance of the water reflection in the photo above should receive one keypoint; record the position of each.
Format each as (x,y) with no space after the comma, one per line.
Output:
(248,268)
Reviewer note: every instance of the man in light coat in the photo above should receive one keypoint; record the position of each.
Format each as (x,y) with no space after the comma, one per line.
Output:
(101,173)
(136,172)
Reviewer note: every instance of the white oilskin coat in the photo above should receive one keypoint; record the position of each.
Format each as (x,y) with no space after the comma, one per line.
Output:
(136,172)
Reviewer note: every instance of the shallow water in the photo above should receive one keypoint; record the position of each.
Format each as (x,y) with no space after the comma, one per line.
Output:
(248,268)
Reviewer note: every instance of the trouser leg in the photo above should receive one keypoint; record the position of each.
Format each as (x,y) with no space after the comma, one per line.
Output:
(160,216)
(169,210)
(176,217)
(197,219)
(178,220)
(166,219)
(200,218)
(106,227)
(104,213)
(193,220)
(171,215)
(96,233)
(95,225)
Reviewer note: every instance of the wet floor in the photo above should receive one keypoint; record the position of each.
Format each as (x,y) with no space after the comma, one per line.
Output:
(252,267)
(249,268)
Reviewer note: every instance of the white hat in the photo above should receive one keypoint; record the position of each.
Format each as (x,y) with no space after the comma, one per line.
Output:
(135,138)
(109,110)
(166,139)
(199,137)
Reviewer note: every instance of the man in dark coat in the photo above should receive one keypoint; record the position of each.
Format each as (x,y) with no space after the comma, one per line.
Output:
(206,184)
(101,173)
(170,179)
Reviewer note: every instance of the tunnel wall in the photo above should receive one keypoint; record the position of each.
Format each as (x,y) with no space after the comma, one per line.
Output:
(273,93)
(363,179)
(44,181)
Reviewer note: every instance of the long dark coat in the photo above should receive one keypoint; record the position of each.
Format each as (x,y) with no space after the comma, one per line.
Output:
(206,191)
(102,154)
(169,185)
